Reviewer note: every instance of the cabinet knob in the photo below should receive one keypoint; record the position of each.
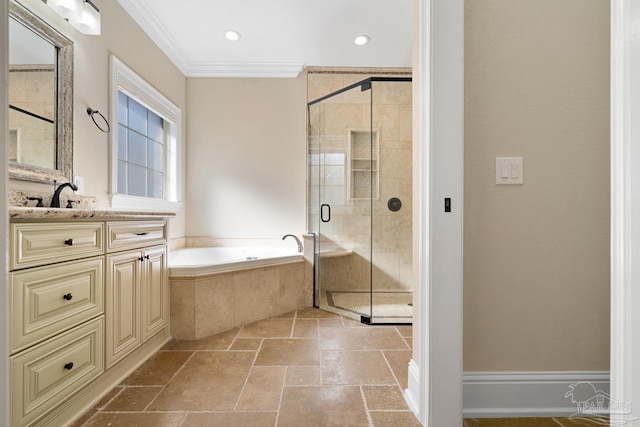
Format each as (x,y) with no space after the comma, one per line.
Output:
(141,259)
(146,257)
(68,366)
(68,297)
(69,242)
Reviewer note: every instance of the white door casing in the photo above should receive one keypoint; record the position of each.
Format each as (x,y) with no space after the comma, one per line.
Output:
(625,207)
(439,100)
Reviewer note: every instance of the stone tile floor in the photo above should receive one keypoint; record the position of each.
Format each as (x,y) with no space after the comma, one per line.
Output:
(307,368)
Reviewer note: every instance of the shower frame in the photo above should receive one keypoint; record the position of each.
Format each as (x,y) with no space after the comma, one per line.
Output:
(374,177)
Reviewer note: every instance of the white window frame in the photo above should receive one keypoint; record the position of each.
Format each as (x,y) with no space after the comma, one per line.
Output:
(124,79)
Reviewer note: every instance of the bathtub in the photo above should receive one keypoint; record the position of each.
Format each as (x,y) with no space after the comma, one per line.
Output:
(214,289)
(196,261)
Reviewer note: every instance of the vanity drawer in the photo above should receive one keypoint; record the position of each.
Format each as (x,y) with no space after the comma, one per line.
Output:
(49,373)
(47,300)
(135,234)
(35,244)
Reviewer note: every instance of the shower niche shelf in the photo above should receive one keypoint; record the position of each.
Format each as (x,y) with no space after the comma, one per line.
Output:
(364,167)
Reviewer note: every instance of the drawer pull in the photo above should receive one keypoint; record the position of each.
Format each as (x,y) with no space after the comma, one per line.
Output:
(68,366)
(68,297)
(69,242)
(142,234)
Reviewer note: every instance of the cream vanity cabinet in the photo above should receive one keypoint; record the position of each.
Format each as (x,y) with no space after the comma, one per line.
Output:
(138,298)
(89,303)
(57,313)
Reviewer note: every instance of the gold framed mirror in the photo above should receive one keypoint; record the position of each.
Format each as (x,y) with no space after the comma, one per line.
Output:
(40,99)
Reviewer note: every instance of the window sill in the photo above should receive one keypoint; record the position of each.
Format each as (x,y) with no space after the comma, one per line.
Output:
(135,203)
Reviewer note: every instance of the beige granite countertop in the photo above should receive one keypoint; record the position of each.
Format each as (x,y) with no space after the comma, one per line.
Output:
(23,212)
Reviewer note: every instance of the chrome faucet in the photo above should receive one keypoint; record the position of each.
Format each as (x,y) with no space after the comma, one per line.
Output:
(55,200)
(297,241)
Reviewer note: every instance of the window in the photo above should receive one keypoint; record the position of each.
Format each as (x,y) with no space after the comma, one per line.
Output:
(145,148)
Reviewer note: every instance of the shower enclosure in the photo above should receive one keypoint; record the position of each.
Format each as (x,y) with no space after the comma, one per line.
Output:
(359,200)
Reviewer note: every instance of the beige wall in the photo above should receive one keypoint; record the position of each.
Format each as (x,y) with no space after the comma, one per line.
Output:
(122,37)
(536,269)
(246,157)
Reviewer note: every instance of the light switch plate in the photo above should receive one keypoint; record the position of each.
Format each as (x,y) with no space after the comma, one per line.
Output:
(509,170)
(79,182)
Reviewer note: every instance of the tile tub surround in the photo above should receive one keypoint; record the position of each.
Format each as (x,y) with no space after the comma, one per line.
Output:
(282,371)
(203,305)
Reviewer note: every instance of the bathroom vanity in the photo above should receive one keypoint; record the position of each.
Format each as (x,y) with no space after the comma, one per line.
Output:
(89,304)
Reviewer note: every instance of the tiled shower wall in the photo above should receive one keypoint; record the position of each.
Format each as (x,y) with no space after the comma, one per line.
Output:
(388,110)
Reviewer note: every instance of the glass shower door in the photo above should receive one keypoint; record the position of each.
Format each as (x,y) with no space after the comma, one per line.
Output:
(340,194)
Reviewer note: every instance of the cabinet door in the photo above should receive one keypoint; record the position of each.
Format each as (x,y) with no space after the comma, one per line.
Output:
(124,273)
(155,292)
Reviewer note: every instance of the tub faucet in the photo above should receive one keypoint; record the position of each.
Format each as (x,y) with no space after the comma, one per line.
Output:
(55,200)
(297,241)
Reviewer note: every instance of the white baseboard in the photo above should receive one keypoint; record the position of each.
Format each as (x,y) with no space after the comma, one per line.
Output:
(521,394)
(517,393)
(412,393)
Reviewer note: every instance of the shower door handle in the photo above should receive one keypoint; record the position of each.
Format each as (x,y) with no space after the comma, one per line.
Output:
(322,212)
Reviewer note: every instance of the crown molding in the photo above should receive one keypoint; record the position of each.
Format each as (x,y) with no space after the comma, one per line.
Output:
(144,16)
(245,69)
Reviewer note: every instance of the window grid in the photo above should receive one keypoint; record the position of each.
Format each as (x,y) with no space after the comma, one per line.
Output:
(141,149)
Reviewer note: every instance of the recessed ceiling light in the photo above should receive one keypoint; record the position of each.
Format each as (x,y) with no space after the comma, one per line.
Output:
(361,40)
(232,35)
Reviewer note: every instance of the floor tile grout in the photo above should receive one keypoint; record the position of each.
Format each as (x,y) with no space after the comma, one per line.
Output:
(167,383)
(366,407)
(246,380)
(284,381)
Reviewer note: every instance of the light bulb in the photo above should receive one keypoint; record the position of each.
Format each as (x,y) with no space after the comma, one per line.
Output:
(361,40)
(232,35)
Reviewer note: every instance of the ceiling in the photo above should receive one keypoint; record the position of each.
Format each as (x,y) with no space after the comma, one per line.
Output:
(278,37)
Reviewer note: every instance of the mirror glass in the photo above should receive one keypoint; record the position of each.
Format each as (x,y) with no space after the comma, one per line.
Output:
(40,99)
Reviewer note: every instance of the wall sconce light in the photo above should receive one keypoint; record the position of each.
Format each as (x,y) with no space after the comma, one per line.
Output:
(89,21)
(83,15)
(66,8)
